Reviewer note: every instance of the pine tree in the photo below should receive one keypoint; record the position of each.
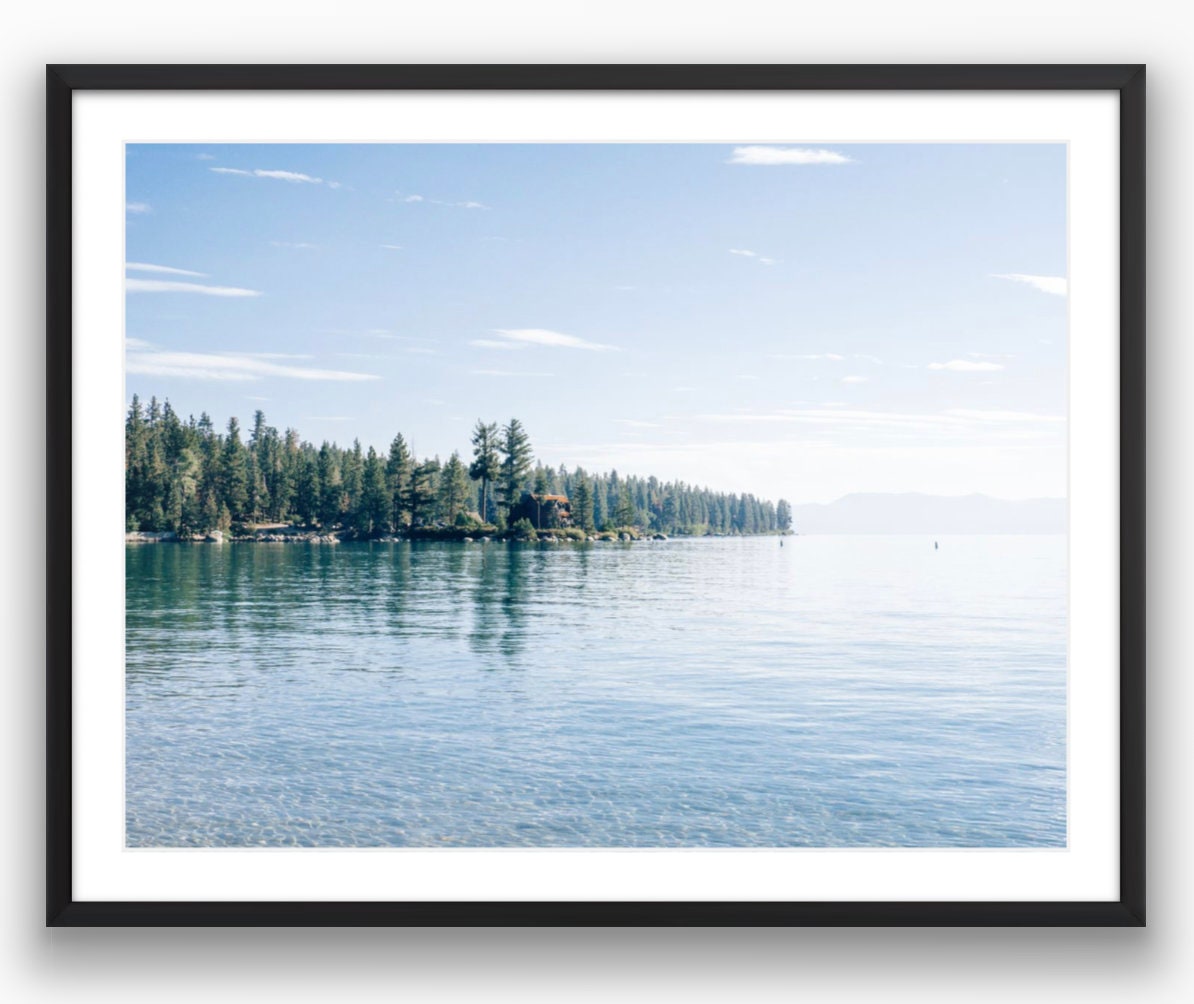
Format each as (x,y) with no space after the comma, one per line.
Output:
(373,514)
(516,462)
(582,504)
(613,491)
(454,488)
(486,465)
(398,472)
(669,513)
(352,469)
(184,512)
(135,435)
(783,515)
(329,486)
(600,507)
(625,514)
(234,474)
(423,495)
(307,492)
(287,464)
(209,513)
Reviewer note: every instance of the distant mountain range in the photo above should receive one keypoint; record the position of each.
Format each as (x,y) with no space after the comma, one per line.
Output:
(930,514)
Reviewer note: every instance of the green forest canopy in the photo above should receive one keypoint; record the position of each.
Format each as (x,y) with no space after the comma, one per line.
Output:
(188,478)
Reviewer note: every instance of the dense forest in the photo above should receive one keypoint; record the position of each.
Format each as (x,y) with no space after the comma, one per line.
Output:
(186,477)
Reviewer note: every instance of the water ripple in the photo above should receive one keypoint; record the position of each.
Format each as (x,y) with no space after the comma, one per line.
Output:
(834,692)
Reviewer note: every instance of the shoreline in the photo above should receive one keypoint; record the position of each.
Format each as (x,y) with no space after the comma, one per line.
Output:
(447,536)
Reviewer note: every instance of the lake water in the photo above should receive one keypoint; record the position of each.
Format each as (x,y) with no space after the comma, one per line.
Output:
(832,692)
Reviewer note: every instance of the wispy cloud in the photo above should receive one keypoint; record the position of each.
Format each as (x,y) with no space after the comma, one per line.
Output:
(294,177)
(140,208)
(634,423)
(761,259)
(551,339)
(209,156)
(854,379)
(464,204)
(967,366)
(167,286)
(1055,284)
(301,246)
(508,373)
(493,343)
(140,266)
(229,366)
(391,247)
(830,356)
(768,156)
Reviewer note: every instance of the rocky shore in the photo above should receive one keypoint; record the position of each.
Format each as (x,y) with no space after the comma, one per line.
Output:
(303,536)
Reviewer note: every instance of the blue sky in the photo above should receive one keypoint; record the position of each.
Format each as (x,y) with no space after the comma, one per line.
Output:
(800,321)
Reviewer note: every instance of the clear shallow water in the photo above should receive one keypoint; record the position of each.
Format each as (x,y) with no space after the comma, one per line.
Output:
(833,692)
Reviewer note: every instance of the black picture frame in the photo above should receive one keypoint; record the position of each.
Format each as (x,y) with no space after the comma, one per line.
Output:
(63,81)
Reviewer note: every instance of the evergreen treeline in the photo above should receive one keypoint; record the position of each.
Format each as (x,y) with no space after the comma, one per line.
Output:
(187,477)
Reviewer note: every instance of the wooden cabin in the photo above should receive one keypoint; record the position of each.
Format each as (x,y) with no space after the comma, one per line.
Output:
(546,512)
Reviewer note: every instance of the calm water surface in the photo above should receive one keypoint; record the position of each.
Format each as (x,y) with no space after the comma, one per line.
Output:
(833,692)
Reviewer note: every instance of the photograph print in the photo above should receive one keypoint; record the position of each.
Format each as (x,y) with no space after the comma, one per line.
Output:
(602,495)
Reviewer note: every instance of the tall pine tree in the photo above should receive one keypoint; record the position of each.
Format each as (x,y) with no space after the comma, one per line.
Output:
(783,515)
(582,504)
(423,496)
(454,488)
(234,479)
(398,472)
(516,462)
(373,514)
(486,465)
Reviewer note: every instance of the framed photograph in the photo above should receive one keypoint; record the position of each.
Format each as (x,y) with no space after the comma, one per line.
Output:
(595,495)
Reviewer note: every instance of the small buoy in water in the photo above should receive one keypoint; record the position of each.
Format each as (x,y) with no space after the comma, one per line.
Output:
(934,545)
